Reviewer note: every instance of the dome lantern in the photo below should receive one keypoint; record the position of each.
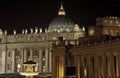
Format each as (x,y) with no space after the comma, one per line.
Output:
(61,10)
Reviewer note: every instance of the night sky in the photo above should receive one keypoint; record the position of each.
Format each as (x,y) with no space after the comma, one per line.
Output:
(26,14)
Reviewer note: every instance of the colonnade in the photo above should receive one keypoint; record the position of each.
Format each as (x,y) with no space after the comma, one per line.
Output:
(88,64)
(95,66)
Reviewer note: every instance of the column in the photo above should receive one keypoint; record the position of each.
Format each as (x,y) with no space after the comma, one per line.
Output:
(13,61)
(96,66)
(109,67)
(111,72)
(83,69)
(50,62)
(117,66)
(46,60)
(100,66)
(112,66)
(4,54)
(31,54)
(57,65)
(25,55)
(92,66)
(22,59)
(78,66)
(89,66)
(40,61)
(103,67)
(61,67)
(54,68)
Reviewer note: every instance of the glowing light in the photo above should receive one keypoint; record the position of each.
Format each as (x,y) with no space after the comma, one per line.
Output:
(14,32)
(18,65)
(43,59)
(61,10)
(85,72)
(29,73)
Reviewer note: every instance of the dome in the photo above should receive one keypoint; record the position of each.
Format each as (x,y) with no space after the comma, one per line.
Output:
(61,23)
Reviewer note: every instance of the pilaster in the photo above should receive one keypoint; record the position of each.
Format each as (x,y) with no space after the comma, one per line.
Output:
(13,61)
(31,54)
(4,57)
(50,62)
(46,60)
(40,61)
(25,55)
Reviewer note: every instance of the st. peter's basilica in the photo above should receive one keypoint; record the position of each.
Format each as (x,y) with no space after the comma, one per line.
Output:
(64,49)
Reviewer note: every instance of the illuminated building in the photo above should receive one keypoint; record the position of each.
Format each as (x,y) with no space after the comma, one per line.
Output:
(94,56)
(36,45)
(63,47)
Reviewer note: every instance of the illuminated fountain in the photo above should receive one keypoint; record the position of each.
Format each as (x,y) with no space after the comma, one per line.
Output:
(29,69)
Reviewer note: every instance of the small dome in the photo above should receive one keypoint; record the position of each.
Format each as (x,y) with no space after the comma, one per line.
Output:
(61,23)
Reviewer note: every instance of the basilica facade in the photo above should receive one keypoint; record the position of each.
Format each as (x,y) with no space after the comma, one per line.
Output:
(36,45)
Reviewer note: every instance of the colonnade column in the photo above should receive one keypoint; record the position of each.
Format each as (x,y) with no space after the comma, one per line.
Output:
(108,67)
(110,70)
(103,67)
(84,71)
(78,66)
(89,73)
(117,66)
(46,60)
(40,61)
(96,66)
(92,64)
(13,61)
(57,65)
(112,66)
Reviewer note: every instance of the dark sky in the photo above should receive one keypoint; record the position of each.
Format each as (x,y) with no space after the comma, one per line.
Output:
(22,14)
